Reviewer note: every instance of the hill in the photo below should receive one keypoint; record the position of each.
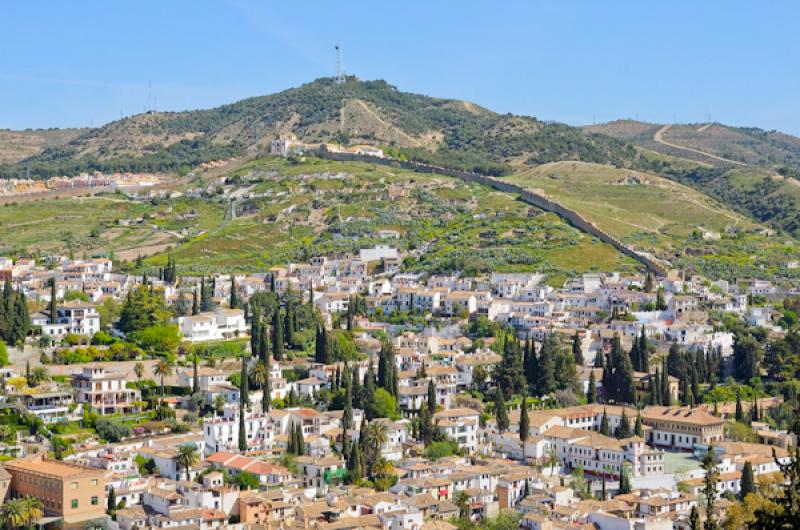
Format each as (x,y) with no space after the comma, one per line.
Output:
(19,145)
(444,131)
(712,143)
(672,221)
(271,211)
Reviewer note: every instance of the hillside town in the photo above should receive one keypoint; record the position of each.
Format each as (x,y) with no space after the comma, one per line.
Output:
(346,392)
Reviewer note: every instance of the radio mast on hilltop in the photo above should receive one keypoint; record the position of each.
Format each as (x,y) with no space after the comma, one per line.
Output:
(339,78)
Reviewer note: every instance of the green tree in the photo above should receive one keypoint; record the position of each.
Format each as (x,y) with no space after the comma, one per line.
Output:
(694,519)
(111,505)
(501,414)
(162,370)
(383,405)
(577,349)
(234,298)
(187,457)
(709,489)
(748,484)
(524,425)
(604,427)
(624,479)
(591,392)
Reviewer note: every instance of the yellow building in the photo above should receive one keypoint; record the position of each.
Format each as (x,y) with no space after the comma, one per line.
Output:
(74,493)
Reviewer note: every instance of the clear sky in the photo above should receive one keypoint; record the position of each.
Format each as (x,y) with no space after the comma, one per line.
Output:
(76,63)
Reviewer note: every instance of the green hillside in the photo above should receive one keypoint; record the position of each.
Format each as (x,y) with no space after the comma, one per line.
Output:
(664,218)
(273,211)
(445,131)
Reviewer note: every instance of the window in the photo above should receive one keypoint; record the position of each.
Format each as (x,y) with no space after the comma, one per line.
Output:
(94,501)
(73,485)
(74,504)
(94,482)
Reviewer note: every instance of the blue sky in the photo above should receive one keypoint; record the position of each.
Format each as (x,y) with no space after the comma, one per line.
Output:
(87,62)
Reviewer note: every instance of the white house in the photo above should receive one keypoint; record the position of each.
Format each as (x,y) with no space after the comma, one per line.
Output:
(221,324)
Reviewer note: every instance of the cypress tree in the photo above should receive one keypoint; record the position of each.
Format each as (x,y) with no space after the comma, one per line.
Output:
(739,411)
(263,342)
(624,480)
(577,349)
(356,470)
(242,431)
(694,519)
(244,390)
(500,410)
(368,390)
(255,335)
(546,380)
(599,359)
(754,410)
(604,428)
(288,322)
(111,506)
(291,439)
(624,430)
(22,320)
(53,305)
(637,427)
(748,484)
(524,424)
(195,303)
(277,336)
(431,397)
(666,391)
(591,392)
(195,378)
(656,394)
(355,391)
(531,363)
(234,300)
(301,444)
(266,394)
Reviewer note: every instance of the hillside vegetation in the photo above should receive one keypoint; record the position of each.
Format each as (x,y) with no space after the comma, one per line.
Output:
(664,218)
(272,211)
(444,131)
(19,145)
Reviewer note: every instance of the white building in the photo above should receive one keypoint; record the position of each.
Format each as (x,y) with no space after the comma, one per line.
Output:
(221,324)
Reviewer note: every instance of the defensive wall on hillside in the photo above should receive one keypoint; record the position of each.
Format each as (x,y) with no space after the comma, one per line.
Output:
(534,199)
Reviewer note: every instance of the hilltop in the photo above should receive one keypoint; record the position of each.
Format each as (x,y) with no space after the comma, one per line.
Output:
(445,131)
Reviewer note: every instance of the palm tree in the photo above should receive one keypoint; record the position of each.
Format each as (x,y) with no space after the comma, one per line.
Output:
(187,457)
(38,375)
(162,369)
(382,468)
(259,374)
(462,501)
(376,433)
(138,369)
(552,459)
(20,513)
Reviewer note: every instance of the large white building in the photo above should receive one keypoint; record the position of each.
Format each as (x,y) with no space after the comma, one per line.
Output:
(75,317)
(221,324)
(105,391)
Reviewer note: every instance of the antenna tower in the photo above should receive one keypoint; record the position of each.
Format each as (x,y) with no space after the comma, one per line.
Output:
(340,75)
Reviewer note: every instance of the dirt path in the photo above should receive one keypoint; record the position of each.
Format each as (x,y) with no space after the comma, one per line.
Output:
(659,137)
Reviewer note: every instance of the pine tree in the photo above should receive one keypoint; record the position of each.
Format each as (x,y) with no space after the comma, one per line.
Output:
(500,411)
(748,484)
(577,349)
(591,392)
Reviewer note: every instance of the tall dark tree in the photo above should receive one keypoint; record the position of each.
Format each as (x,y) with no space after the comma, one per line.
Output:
(666,389)
(604,427)
(531,365)
(591,392)
(624,479)
(277,336)
(747,357)
(244,390)
(546,380)
(661,304)
(524,425)
(577,349)
(53,305)
(739,410)
(234,297)
(195,303)
(242,431)
(624,429)
(709,489)
(748,484)
(195,377)
(431,397)
(511,373)
(501,414)
(638,430)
